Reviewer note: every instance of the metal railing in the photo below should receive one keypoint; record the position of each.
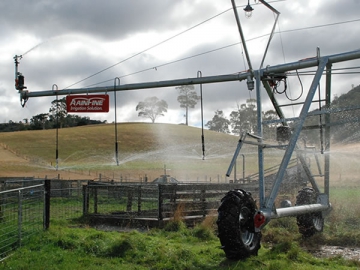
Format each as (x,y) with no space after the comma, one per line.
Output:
(27,205)
(21,216)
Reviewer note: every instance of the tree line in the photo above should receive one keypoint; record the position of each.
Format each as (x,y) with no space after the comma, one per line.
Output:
(152,107)
(345,123)
(57,117)
(244,118)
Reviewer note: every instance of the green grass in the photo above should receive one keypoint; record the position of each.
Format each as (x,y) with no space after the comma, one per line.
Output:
(175,247)
(71,244)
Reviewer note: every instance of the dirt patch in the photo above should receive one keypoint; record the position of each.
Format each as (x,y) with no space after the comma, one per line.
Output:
(8,156)
(12,165)
(348,253)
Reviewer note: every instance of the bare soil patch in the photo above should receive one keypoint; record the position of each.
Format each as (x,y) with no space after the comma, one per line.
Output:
(348,253)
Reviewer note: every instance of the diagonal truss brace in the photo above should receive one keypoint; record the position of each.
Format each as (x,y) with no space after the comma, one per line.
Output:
(293,140)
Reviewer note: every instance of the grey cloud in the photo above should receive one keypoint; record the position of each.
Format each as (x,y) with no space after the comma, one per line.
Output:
(115,20)
(110,19)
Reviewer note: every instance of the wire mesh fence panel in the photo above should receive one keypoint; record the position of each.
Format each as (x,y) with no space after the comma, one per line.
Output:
(21,216)
(190,199)
(9,183)
(66,200)
(132,200)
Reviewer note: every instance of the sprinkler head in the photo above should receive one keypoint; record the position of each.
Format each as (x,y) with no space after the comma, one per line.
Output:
(250,83)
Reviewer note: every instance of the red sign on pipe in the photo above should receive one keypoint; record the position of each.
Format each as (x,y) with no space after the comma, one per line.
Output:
(87,103)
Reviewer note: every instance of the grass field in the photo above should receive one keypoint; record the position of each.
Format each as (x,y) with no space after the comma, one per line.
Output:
(74,245)
(143,149)
(146,149)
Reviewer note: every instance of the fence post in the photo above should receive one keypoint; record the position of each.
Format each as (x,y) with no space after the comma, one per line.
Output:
(160,202)
(85,199)
(95,200)
(203,200)
(19,216)
(139,199)
(129,200)
(47,187)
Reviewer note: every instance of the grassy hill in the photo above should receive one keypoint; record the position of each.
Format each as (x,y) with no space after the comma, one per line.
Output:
(143,149)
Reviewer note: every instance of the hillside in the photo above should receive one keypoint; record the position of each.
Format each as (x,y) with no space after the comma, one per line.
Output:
(345,124)
(146,149)
(89,150)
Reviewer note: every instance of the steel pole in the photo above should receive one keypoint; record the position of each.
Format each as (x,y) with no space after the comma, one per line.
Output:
(202,118)
(327,131)
(55,88)
(116,135)
(243,41)
(299,210)
(260,140)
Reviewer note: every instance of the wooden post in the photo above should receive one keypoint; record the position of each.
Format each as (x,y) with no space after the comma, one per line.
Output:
(129,200)
(47,189)
(160,202)
(95,200)
(139,199)
(85,199)
(203,200)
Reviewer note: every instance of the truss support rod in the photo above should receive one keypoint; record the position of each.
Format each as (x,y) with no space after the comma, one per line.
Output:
(237,151)
(275,103)
(292,142)
(272,31)
(243,41)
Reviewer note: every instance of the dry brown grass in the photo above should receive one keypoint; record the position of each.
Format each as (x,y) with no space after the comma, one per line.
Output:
(86,152)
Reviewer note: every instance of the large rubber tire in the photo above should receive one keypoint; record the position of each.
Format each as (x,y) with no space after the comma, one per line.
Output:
(236,225)
(310,223)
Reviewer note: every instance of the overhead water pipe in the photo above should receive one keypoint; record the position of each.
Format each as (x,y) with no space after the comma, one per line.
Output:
(301,64)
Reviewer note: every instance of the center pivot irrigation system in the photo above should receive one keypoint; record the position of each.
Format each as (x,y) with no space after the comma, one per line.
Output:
(240,219)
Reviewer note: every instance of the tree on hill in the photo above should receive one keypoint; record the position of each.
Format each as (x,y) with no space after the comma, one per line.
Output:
(151,108)
(270,129)
(187,99)
(244,119)
(219,123)
(58,112)
(39,121)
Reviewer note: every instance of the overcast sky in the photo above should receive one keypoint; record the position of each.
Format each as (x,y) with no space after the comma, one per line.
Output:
(63,42)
